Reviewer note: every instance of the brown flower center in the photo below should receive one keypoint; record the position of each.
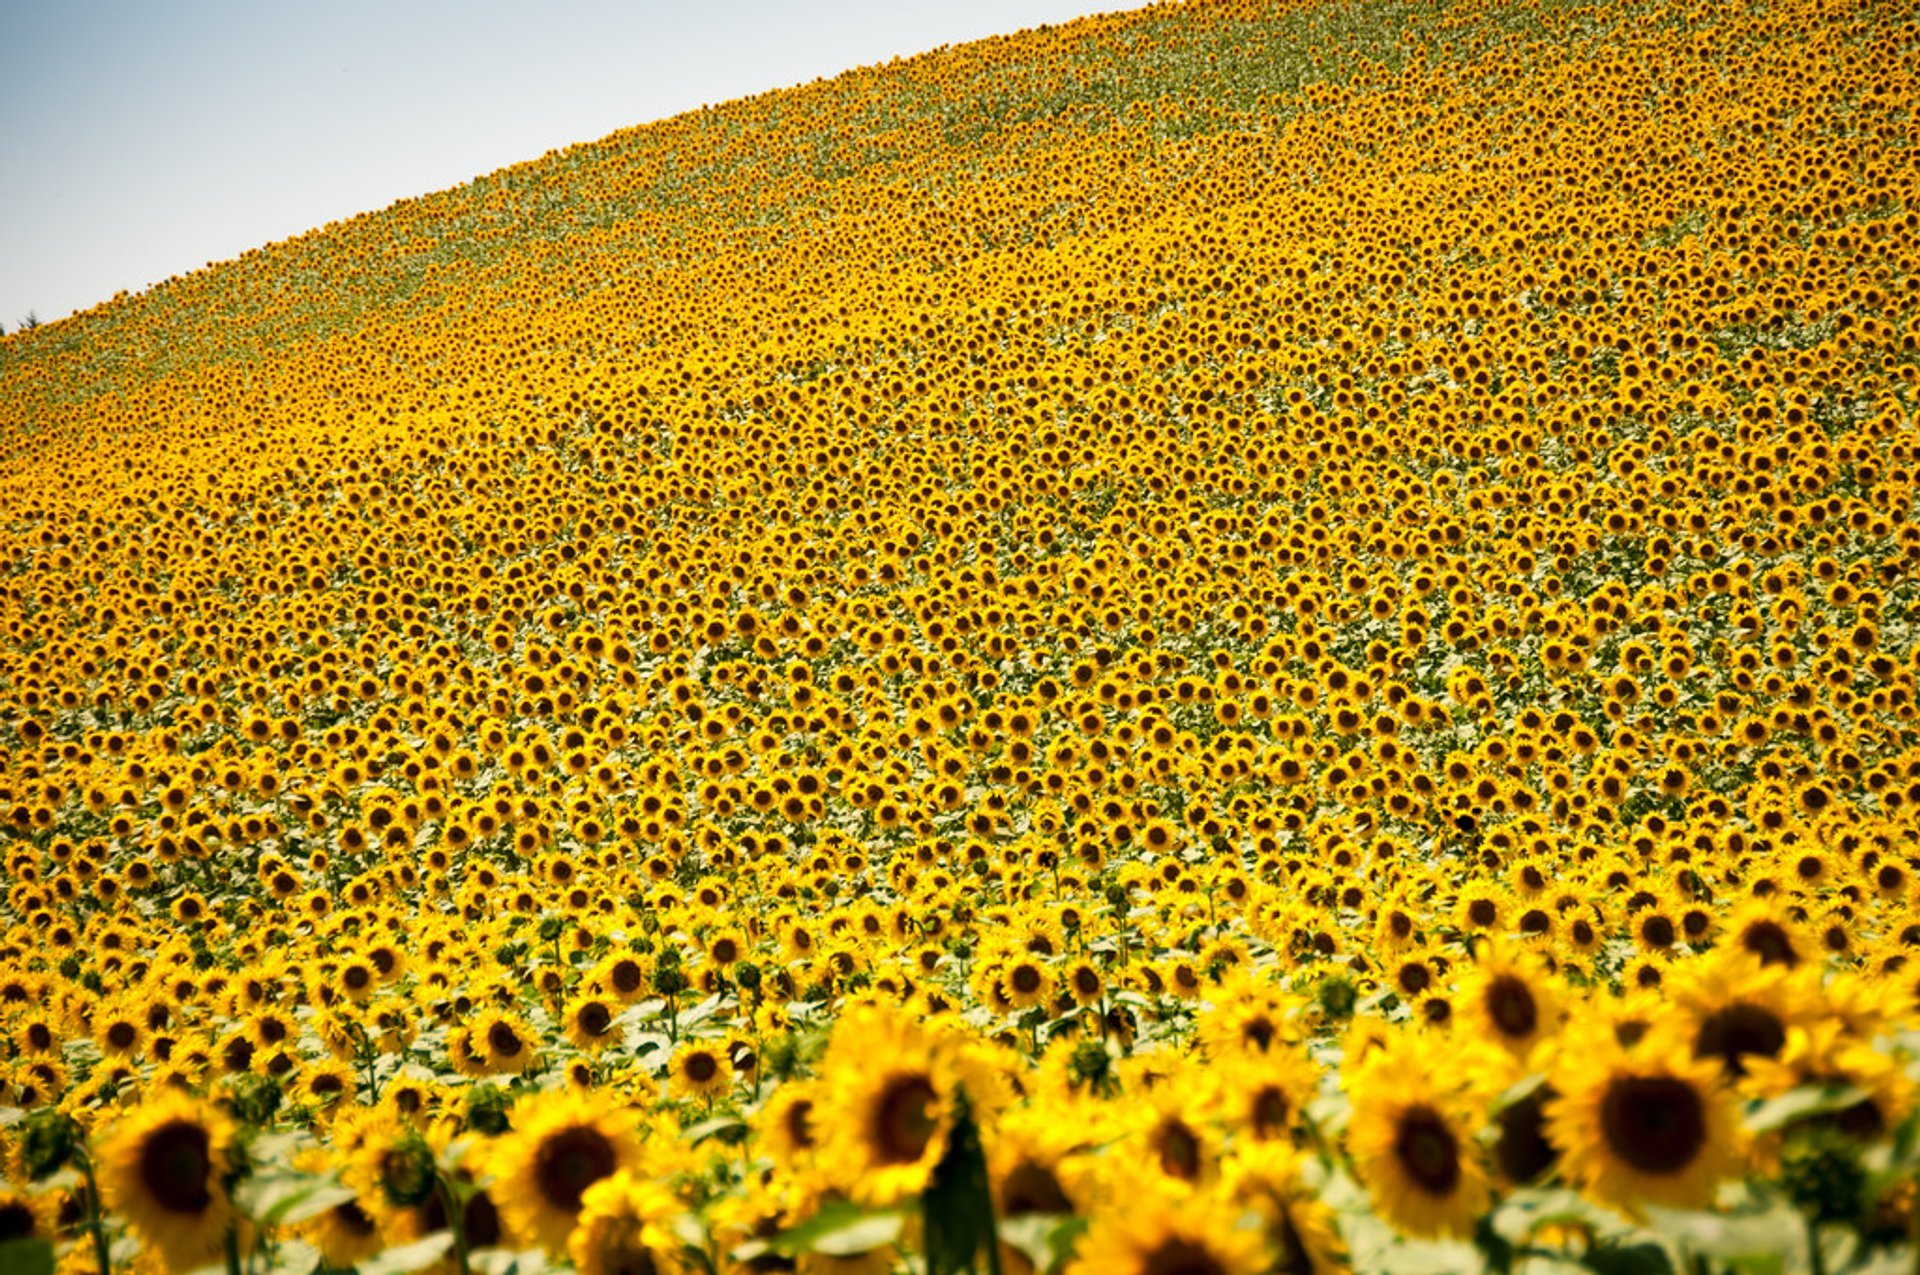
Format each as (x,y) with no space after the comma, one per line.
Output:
(594,1018)
(1730,1034)
(800,1123)
(701,1067)
(1032,1188)
(1179,1151)
(1522,1150)
(175,1161)
(1270,1111)
(1511,1006)
(1655,1124)
(905,1120)
(16,1222)
(569,1162)
(1427,1151)
(1768,940)
(503,1040)
(1178,1256)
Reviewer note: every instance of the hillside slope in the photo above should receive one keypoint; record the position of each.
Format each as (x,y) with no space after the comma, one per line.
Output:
(1136,540)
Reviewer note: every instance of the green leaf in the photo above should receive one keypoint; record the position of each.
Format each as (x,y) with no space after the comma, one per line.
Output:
(1798,1104)
(1044,1239)
(1646,1258)
(283,1199)
(1749,1242)
(27,1257)
(408,1257)
(718,1127)
(840,1229)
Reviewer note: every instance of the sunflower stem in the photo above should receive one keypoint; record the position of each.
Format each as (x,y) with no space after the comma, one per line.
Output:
(456,1219)
(233,1250)
(1816,1263)
(96,1224)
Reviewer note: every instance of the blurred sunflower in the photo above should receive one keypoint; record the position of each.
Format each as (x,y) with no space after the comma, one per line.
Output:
(1646,1124)
(164,1169)
(625,1227)
(562,1143)
(1412,1140)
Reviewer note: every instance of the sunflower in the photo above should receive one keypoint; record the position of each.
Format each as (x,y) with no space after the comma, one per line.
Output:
(590,1024)
(1301,1239)
(506,1040)
(1167,1233)
(163,1169)
(1825,1054)
(1647,1124)
(1262,1096)
(699,1070)
(562,1143)
(625,1227)
(786,1124)
(26,1217)
(1732,1008)
(1411,1138)
(1247,1018)
(1768,935)
(892,1088)
(1031,1161)
(1508,998)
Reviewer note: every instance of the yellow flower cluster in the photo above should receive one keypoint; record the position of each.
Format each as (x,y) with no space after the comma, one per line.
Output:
(1282,621)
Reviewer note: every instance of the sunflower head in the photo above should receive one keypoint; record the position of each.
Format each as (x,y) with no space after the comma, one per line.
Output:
(626,1226)
(892,1090)
(1411,1138)
(164,1169)
(1645,1124)
(562,1143)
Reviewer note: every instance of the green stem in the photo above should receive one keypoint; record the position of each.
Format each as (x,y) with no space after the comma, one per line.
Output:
(456,1219)
(233,1250)
(1816,1263)
(96,1224)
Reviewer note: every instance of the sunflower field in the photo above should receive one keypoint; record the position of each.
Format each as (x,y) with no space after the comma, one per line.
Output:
(1234,637)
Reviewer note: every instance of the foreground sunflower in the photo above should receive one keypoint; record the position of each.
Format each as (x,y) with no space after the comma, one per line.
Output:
(893,1089)
(626,1227)
(1646,1124)
(1161,1234)
(1265,1177)
(1412,1140)
(562,1143)
(164,1169)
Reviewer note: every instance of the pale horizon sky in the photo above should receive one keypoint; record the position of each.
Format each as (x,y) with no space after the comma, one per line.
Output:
(139,141)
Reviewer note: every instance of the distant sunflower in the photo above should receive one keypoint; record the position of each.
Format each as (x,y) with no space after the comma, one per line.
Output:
(163,1169)
(590,1024)
(1263,1096)
(786,1124)
(1641,1125)
(562,1143)
(1412,1140)
(506,1041)
(700,1070)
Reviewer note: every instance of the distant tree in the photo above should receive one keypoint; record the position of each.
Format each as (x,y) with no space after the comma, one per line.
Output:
(29,323)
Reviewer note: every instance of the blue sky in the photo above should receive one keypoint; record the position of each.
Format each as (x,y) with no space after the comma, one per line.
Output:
(144,140)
